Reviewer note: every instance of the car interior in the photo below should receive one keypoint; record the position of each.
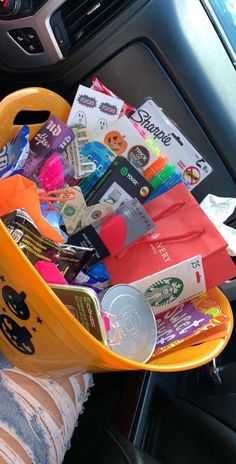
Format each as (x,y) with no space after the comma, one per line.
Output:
(182,53)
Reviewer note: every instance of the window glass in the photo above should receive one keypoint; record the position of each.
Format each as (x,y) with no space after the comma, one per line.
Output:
(223,15)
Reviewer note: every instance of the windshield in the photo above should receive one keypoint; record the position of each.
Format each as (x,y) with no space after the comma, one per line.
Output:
(223,15)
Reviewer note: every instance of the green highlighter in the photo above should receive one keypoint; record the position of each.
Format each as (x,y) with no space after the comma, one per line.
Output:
(162,176)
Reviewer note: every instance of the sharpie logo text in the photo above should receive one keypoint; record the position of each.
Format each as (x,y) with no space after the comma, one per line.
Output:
(143,118)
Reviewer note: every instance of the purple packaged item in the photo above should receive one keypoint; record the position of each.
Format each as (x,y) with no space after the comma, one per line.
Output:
(53,136)
(179,323)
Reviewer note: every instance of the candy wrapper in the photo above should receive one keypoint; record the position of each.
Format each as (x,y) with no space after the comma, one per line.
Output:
(69,259)
(185,321)
(96,277)
(15,153)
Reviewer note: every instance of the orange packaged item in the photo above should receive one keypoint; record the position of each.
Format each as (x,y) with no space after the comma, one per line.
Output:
(19,192)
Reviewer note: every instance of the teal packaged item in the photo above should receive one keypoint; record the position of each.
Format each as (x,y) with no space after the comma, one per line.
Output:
(168,185)
(102,157)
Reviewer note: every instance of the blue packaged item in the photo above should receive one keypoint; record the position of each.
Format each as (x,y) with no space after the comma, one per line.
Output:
(54,217)
(100,273)
(15,153)
(102,157)
(96,277)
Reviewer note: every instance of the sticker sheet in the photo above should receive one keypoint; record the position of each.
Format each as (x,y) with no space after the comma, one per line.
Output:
(94,110)
(124,139)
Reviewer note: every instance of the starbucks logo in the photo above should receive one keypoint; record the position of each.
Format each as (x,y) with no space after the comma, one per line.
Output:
(164,291)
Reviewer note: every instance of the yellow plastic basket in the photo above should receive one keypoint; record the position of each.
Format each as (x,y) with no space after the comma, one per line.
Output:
(37,332)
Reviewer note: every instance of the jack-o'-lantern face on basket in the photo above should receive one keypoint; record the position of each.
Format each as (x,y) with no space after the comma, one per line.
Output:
(115,142)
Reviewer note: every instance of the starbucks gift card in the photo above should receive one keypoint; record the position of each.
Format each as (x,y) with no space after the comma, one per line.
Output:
(121,182)
(174,285)
(94,110)
(172,143)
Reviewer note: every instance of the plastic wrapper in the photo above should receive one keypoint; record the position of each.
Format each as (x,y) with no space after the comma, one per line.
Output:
(68,259)
(15,153)
(54,173)
(53,136)
(100,87)
(128,223)
(52,215)
(102,157)
(83,166)
(96,277)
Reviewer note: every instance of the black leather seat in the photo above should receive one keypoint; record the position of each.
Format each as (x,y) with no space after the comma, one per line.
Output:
(186,434)
(118,450)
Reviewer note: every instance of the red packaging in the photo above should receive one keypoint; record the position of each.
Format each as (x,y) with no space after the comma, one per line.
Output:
(100,87)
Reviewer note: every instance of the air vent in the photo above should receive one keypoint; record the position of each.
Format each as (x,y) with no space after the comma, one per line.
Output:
(76,21)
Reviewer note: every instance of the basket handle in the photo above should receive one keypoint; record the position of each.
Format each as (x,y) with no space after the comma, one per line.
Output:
(29,99)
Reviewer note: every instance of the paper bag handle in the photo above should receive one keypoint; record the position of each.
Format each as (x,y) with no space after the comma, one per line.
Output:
(172,238)
(171,209)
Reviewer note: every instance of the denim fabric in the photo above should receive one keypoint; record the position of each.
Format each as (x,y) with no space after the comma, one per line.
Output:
(29,432)
(36,430)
